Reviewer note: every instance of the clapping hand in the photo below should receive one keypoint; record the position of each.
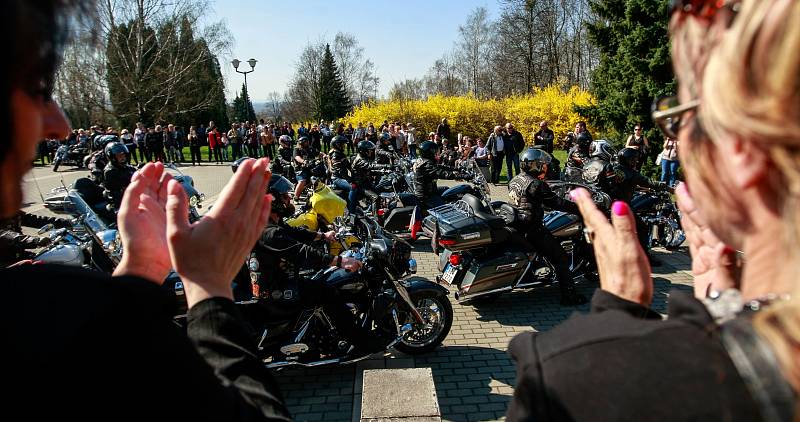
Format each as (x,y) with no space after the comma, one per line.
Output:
(208,253)
(621,261)
(714,264)
(142,224)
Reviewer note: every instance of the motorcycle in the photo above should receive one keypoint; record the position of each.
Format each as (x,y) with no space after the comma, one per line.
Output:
(410,314)
(469,231)
(70,156)
(320,211)
(659,212)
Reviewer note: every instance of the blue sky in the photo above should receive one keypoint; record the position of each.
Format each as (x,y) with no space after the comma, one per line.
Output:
(403,38)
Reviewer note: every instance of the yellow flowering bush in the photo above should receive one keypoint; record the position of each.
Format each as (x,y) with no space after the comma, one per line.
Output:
(474,117)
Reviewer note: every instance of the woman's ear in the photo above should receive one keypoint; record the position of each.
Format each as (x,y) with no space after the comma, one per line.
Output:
(750,162)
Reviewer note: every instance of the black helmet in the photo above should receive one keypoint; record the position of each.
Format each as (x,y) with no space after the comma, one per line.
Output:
(366,149)
(602,150)
(235,165)
(280,187)
(584,140)
(103,140)
(285,140)
(628,157)
(303,139)
(112,151)
(428,150)
(385,137)
(339,142)
(533,161)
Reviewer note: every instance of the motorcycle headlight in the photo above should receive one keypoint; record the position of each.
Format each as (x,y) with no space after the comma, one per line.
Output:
(193,201)
(253,264)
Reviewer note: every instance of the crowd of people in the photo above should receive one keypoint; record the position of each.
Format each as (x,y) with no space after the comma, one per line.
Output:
(729,352)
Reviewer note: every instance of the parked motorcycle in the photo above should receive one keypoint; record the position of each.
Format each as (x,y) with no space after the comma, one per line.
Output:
(479,254)
(67,155)
(659,212)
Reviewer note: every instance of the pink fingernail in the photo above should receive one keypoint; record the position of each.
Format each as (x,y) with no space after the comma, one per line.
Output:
(573,194)
(620,208)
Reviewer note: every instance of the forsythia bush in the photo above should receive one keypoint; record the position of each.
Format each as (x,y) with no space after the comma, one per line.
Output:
(474,117)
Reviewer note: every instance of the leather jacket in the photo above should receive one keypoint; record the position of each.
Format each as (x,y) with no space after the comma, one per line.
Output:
(426,172)
(625,180)
(116,180)
(530,195)
(362,170)
(340,165)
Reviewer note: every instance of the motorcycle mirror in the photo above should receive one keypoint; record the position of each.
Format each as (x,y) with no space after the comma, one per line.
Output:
(46,228)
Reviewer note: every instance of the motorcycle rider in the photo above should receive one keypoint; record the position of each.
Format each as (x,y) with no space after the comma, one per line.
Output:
(577,157)
(15,246)
(426,172)
(599,170)
(340,171)
(385,150)
(623,182)
(529,194)
(282,163)
(283,252)
(363,168)
(302,155)
(117,173)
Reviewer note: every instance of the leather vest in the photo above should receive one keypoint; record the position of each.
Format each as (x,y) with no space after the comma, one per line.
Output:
(340,165)
(518,193)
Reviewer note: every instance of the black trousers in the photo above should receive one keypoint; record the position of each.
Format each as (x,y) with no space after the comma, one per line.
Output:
(252,151)
(143,157)
(194,152)
(497,166)
(236,151)
(540,240)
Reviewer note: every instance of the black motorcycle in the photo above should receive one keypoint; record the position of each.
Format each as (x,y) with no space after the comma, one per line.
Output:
(479,254)
(410,314)
(69,155)
(659,212)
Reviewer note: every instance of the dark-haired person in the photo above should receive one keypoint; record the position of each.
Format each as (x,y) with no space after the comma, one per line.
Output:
(98,347)
(638,142)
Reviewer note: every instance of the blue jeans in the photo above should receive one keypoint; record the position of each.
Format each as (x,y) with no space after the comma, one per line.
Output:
(512,158)
(669,171)
(412,151)
(352,194)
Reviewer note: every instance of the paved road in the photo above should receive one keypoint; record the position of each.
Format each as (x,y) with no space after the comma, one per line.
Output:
(474,376)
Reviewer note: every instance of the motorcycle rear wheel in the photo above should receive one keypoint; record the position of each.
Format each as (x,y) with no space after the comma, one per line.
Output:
(438,313)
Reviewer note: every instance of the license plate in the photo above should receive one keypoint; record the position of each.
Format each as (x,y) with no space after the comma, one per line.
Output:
(449,274)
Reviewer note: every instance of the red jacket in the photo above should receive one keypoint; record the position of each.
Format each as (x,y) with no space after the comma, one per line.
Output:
(213,139)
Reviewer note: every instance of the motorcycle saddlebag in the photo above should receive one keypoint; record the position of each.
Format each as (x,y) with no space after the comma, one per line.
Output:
(460,229)
(493,271)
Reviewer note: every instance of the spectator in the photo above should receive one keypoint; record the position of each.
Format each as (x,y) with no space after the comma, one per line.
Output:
(640,143)
(287,129)
(371,133)
(302,131)
(171,143)
(515,146)
(194,146)
(117,332)
(180,140)
(139,135)
(482,158)
(543,139)
(214,145)
(349,133)
(327,136)
(443,130)
(43,151)
(253,141)
(315,137)
(268,141)
(130,143)
(730,352)
(669,161)
(496,145)
(155,143)
(238,139)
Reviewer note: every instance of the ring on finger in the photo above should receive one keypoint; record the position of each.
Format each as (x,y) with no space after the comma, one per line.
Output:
(588,234)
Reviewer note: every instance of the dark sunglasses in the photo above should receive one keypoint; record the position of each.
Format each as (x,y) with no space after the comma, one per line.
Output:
(667,113)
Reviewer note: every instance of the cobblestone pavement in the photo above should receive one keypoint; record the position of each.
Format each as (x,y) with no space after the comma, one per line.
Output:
(473,374)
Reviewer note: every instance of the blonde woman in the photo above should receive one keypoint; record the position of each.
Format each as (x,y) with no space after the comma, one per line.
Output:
(733,351)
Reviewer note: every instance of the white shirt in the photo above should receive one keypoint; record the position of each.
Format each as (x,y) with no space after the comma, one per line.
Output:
(498,143)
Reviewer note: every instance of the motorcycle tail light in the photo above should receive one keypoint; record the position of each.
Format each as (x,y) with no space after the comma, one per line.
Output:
(381,212)
(447,242)
(455,259)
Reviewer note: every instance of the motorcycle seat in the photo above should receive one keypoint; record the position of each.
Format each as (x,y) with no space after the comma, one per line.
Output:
(494,222)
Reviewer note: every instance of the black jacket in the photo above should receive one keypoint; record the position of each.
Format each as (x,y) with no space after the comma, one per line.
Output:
(544,139)
(13,243)
(624,182)
(106,348)
(340,165)
(621,362)
(116,180)
(426,173)
(517,141)
(577,157)
(363,171)
(530,196)
(283,252)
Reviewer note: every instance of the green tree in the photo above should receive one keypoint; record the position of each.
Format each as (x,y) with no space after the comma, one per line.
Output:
(635,65)
(243,107)
(334,102)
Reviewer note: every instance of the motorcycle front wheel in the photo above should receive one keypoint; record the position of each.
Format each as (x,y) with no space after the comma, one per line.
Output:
(438,315)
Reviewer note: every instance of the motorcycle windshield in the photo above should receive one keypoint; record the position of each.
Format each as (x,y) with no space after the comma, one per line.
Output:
(327,204)
(83,209)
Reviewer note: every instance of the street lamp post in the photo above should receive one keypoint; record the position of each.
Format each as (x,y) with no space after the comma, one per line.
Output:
(252,62)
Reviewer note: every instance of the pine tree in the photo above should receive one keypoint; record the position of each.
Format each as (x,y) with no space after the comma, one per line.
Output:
(334,102)
(243,107)
(635,65)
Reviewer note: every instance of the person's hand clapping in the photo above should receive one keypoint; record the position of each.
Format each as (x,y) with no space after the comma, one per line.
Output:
(208,253)
(142,222)
(329,236)
(621,262)
(714,264)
